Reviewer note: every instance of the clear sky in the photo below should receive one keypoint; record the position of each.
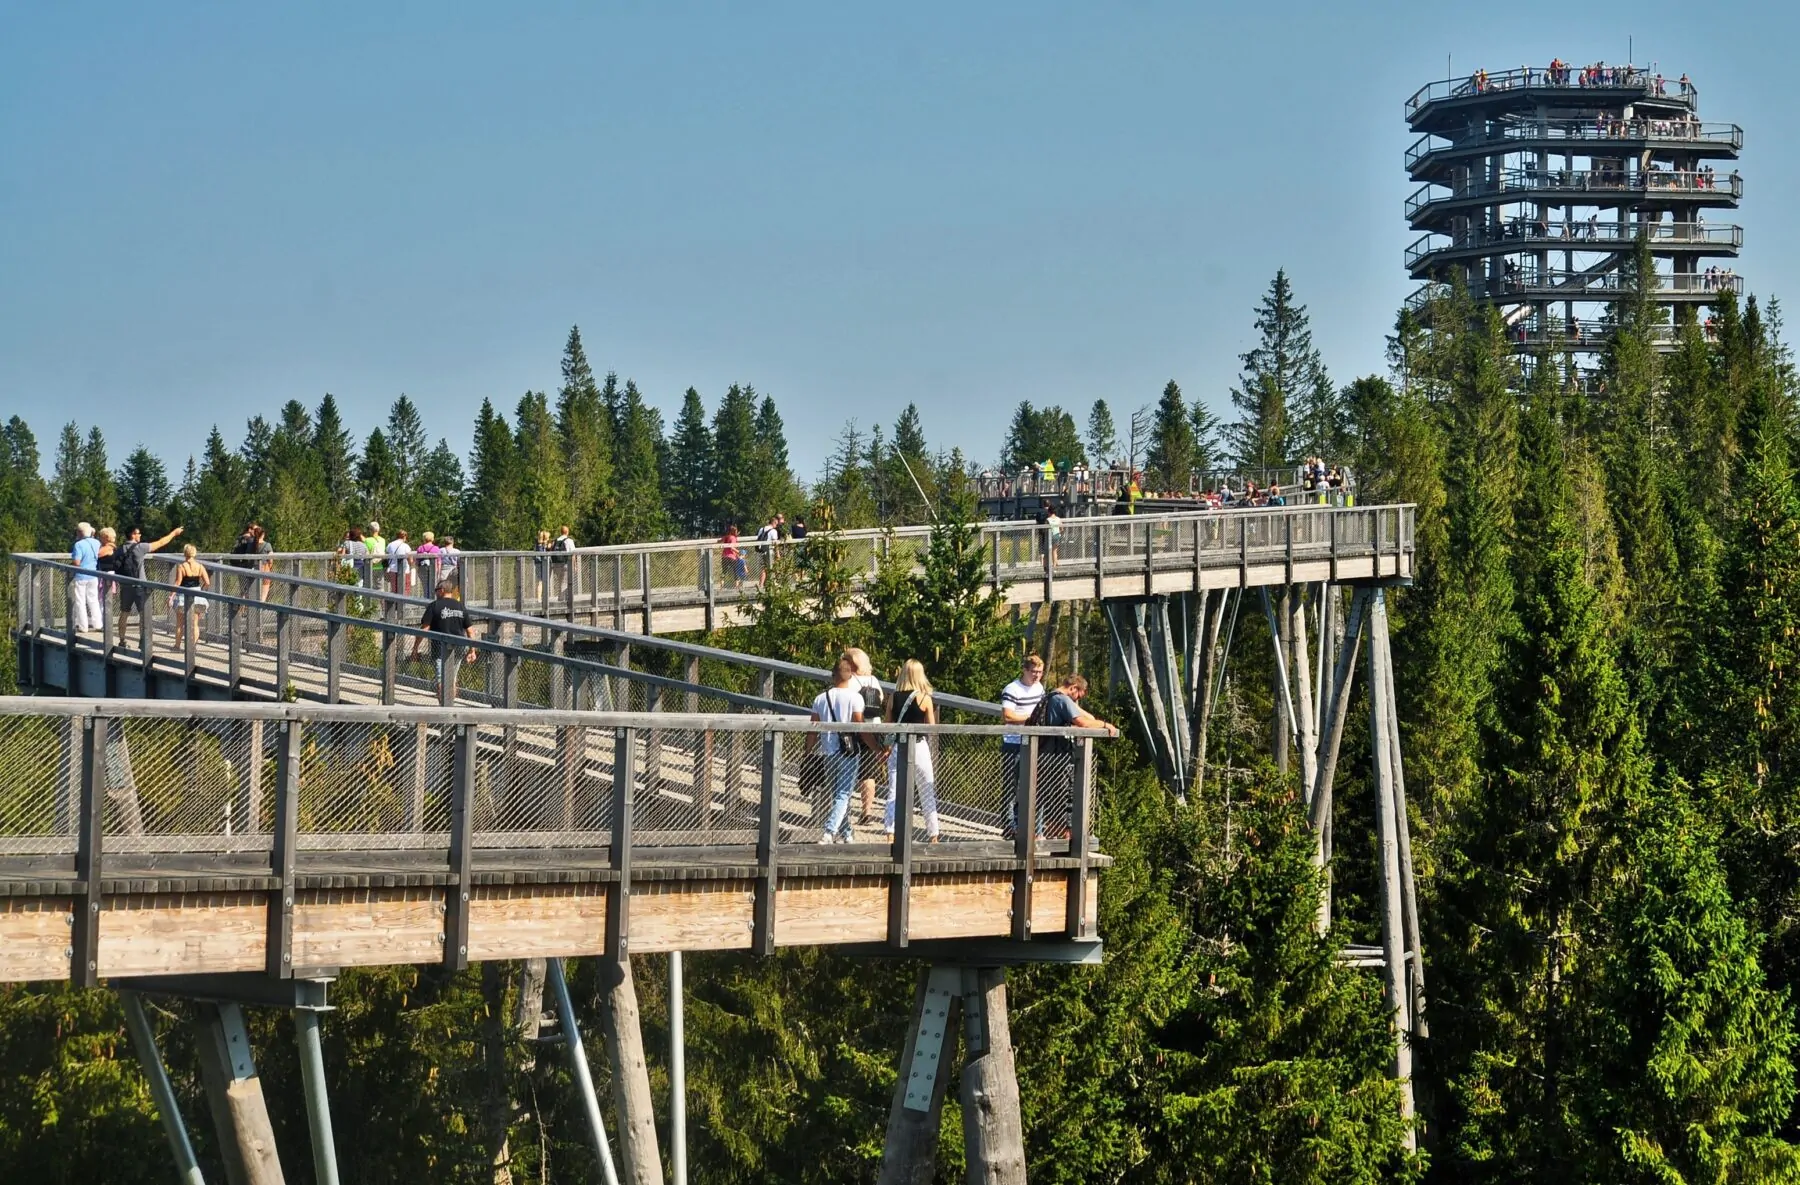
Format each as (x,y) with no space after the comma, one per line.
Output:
(206,210)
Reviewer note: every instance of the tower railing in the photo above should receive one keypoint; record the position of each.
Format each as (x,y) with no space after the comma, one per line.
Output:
(1556,234)
(1635,80)
(1584,131)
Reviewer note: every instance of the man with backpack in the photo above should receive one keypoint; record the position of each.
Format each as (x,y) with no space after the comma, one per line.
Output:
(131,562)
(1056,755)
(767,536)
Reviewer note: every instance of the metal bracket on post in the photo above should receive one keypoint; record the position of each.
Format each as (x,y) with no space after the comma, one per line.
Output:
(942,988)
(1025,839)
(624,802)
(462,847)
(768,839)
(84,946)
(284,844)
(900,886)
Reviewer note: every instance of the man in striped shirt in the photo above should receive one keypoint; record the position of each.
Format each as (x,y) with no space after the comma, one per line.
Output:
(1018,704)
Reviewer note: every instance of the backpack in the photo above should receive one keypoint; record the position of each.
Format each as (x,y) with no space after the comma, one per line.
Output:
(873,706)
(130,561)
(245,546)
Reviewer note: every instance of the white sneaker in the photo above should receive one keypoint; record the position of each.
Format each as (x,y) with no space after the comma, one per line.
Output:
(849,836)
(828,838)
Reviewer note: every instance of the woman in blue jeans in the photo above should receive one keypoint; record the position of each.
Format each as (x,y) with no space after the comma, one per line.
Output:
(839,704)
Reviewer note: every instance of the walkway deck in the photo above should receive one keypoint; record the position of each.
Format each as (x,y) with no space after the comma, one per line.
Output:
(140,838)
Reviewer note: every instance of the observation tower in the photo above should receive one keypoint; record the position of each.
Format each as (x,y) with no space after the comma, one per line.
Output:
(1536,184)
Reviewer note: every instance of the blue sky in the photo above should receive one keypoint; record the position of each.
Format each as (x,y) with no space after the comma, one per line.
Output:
(206,210)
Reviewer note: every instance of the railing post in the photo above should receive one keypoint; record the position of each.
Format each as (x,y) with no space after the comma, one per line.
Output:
(84,939)
(1287,529)
(706,582)
(768,840)
(624,802)
(996,537)
(233,669)
(1149,556)
(334,651)
(618,591)
(644,580)
(1244,550)
(900,885)
(1332,519)
(146,634)
(1025,839)
(1101,530)
(284,640)
(191,622)
(1081,829)
(390,664)
(462,847)
(284,847)
(519,585)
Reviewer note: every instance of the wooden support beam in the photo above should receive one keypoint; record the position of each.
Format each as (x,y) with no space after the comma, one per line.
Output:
(234,1094)
(909,1155)
(993,1128)
(640,1162)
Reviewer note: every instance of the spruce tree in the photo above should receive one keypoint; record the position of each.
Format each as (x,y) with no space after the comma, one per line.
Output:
(736,459)
(907,476)
(144,494)
(543,475)
(691,469)
(1278,372)
(378,481)
(81,483)
(490,509)
(336,451)
(441,491)
(1170,462)
(1320,420)
(638,514)
(584,430)
(1209,449)
(407,440)
(214,508)
(1102,434)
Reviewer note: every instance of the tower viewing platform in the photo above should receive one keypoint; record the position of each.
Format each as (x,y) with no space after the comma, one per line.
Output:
(1537,185)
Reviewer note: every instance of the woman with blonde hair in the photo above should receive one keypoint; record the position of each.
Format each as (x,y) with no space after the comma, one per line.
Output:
(912,704)
(190,580)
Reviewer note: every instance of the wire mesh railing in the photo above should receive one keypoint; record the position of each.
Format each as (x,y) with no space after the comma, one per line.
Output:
(218,784)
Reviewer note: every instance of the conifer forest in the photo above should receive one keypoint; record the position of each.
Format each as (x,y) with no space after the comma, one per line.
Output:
(1596,671)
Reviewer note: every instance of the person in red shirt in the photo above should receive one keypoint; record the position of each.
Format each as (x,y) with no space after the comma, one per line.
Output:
(733,555)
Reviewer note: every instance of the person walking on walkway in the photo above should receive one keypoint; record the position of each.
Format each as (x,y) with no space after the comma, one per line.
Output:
(376,546)
(132,560)
(841,703)
(767,536)
(190,580)
(447,617)
(399,553)
(872,757)
(912,704)
(84,587)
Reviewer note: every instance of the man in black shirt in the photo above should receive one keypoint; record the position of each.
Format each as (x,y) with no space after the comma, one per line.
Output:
(445,615)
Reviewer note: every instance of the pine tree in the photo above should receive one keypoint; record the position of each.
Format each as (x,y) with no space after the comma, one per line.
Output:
(778,490)
(1208,433)
(735,459)
(638,514)
(543,475)
(378,480)
(1036,436)
(584,429)
(692,469)
(1170,463)
(81,483)
(441,491)
(1320,420)
(407,441)
(907,477)
(144,494)
(490,510)
(1102,434)
(845,486)
(1278,372)
(214,510)
(336,451)
(25,500)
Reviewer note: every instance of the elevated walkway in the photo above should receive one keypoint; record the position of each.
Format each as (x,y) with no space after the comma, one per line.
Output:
(155,839)
(688,586)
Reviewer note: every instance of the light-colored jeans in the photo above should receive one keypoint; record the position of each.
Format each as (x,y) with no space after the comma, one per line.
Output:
(924,780)
(840,775)
(84,603)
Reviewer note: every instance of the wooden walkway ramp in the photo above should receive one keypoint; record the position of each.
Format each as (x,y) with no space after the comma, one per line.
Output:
(156,838)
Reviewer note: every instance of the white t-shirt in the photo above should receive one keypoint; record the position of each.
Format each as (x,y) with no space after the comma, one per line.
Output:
(397,551)
(840,705)
(1019,698)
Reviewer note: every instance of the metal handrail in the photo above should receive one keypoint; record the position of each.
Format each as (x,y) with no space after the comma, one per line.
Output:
(397,630)
(1630,79)
(1566,235)
(1680,131)
(1579,182)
